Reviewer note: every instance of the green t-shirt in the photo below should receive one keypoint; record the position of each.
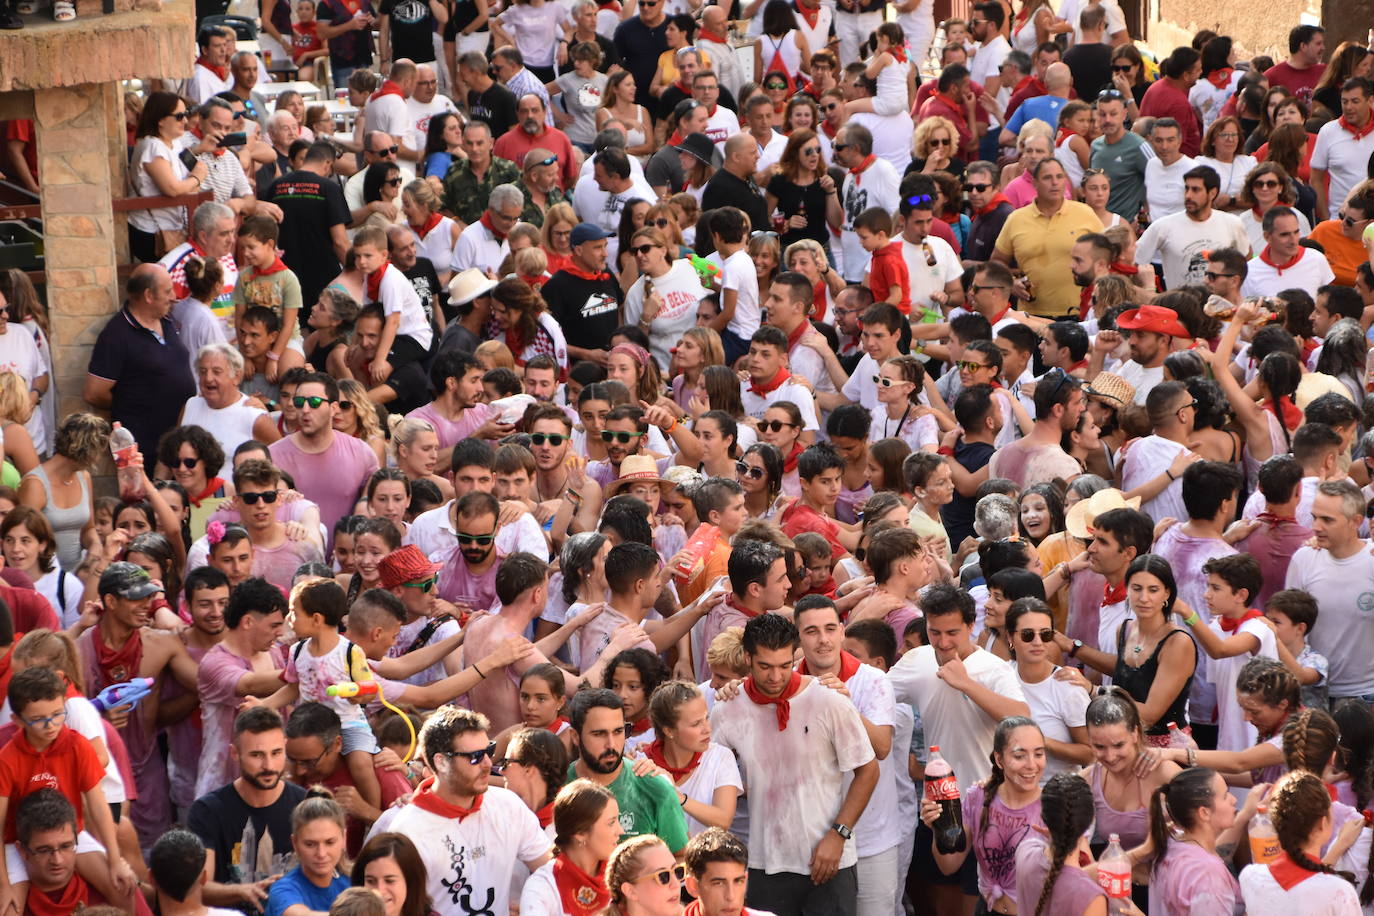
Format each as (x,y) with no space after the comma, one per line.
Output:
(279,291)
(648,804)
(1124,162)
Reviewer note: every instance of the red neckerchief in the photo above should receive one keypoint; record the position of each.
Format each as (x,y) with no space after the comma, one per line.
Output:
(1287,873)
(580,893)
(675,139)
(819,297)
(486,221)
(211,488)
(1231,625)
(1063,132)
(784,708)
(997,200)
(374,281)
(1273,519)
(545,815)
(514,342)
(388,88)
(686,90)
(795,337)
(199,135)
(953,105)
(1220,78)
(1113,594)
(556,724)
(69,900)
(221,72)
(1287,413)
(119,665)
(1035,81)
(1264,256)
(999,316)
(858,170)
(830,130)
(640,726)
(654,751)
(898,54)
(581,274)
(1359,132)
(849,666)
(428,227)
(426,799)
(789,464)
(810,15)
(612,5)
(1124,269)
(276,267)
(731,603)
(826,588)
(773,384)
(1085,303)
(1081,364)
(707,35)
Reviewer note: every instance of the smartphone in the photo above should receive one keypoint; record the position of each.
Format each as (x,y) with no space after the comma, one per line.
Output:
(238,138)
(188,159)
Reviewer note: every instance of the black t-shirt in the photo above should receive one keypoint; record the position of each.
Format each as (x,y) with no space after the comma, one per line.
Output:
(665,168)
(426,282)
(352,48)
(219,817)
(1091,66)
(152,377)
(958,514)
(587,310)
(639,47)
(726,190)
(412,29)
(792,199)
(496,106)
(461,15)
(311,205)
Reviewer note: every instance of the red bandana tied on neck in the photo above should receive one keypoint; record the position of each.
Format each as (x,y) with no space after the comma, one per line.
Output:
(789,464)
(997,200)
(1085,303)
(654,751)
(849,666)
(428,227)
(1113,594)
(1287,412)
(707,35)
(898,53)
(221,72)
(211,488)
(1287,873)
(734,605)
(545,815)
(1063,132)
(1220,78)
(773,384)
(276,267)
(858,170)
(119,665)
(784,708)
(486,221)
(587,275)
(1273,519)
(580,893)
(374,281)
(426,799)
(70,899)
(1359,132)
(810,14)
(1264,256)
(557,724)
(830,130)
(640,726)
(1231,625)
(388,88)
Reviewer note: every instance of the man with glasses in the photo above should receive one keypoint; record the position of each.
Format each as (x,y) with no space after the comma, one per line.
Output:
(329,468)
(46,834)
(1226,271)
(423,104)
(539,184)
(1121,154)
(1153,466)
(276,557)
(437,532)
(471,835)
(722,122)
(1038,457)
(470,180)
(555,478)
(990,209)
(871,181)
(1285,263)
(379,147)
(532,132)
(1342,237)
(1180,241)
(483,244)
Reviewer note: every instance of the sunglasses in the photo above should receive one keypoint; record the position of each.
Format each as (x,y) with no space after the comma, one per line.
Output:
(831,107)
(385,151)
(978,289)
(482,539)
(1059,383)
(774,425)
(554,439)
(1122,68)
(665,876)
(314,401)
(775,86)
(1213,277)
(944,142)
(811,151)
(969,365)
(394,182)
(661,223)
(886,382)
(1265,183)
(840,147)
(643,249)
(1351,221)
(1029,635)
(180,115)
(267,496)
(977,188)
(186,463)
(624,438)
(1107,95)
(425,586)
(748,470)
(475,757)
(549,161)
(345,405)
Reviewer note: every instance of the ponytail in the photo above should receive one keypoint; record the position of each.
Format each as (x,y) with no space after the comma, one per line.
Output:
(1066,806)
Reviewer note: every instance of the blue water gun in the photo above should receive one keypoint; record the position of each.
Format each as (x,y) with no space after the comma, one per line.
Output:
(127,694)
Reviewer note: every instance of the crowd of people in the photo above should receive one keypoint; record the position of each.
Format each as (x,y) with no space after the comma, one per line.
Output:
(987,395)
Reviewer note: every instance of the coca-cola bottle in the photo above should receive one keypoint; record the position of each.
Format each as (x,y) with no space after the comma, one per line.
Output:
(943,789)
(1114,875)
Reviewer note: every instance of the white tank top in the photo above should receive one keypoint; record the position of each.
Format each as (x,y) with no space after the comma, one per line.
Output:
(785,48)
(1069,160)
(437,246)
(231,426)
(1023,39)
(892,81)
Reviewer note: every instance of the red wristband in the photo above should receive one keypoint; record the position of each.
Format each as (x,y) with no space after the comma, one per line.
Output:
(945,450)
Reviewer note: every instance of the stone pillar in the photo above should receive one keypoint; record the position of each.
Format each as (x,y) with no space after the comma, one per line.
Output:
(82,237)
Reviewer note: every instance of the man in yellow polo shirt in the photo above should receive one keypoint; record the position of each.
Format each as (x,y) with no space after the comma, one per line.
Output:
(1039,237)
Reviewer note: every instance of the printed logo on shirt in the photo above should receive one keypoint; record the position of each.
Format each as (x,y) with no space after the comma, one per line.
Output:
(459,888)
(1366,601)
(49,781)
(855,203)
(598,304)
(627,824)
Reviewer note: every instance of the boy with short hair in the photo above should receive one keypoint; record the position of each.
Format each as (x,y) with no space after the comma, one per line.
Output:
(265,280)
(407,335)
(231,552)
(1236,633)
(887,273)
(881,336)
(815,554)
(1293,613)
(739,314)
(718,873)
(256,336)
(967,449)
(718,501)
(819,468)
(770,381)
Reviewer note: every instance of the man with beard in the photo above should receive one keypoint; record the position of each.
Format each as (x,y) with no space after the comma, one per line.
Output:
(1151,328)
(555,479)
(1091,257)
(468,568)
(1180,241)
(207,596)
(1038,456)
(531,131)
(118,649)
(648,804)
(45,827)
(1152,467)
(470,835)
(248,661)
(624,431)
(456,412)
(260,796)
(584,297)
(800,743)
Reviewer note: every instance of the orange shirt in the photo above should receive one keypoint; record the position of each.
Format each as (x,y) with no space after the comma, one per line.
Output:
(68,765)
(1343,254)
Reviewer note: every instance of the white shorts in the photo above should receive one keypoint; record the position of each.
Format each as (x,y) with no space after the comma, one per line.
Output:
(18,871)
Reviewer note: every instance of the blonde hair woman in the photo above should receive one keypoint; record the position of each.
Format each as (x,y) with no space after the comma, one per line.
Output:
(493,354)
(934,144)
(15,407)
(415,446)
(555,237)
(435,234)
(644,879)
(807,258)
(664,217)
(357,417)
(60,487)
(699,347)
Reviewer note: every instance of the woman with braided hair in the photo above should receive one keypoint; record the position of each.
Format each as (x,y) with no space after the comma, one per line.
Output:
(1298,881)
(1001,813)
(1049,870)
(1194,828)
(1311,744)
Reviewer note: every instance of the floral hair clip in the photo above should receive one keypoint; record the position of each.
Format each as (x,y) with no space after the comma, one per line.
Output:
(214,533)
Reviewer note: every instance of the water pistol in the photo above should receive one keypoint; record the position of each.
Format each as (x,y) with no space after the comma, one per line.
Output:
(126,694)
(706,271)
(350,689)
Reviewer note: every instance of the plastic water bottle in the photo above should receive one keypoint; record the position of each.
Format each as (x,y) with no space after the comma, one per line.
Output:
(1179,738)
(122,446)
(698,547)
(943,789)
(1114,875)
(1264,839)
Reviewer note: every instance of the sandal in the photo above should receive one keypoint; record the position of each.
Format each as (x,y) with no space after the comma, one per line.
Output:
(63,10)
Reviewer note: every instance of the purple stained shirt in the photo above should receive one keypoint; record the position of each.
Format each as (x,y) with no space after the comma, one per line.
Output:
(451,432)
(333,479)
(1273,547)
(458,583)
(995,841)
(1190,879)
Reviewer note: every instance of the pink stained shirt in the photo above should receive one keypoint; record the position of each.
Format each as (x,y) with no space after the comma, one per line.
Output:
(333,479)
(220,671)
(451,432)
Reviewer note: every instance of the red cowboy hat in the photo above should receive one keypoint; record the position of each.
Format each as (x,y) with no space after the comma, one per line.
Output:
(1153,318)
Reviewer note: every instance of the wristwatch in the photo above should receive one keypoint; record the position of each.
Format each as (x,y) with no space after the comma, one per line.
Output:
(844,832)
(1077,644)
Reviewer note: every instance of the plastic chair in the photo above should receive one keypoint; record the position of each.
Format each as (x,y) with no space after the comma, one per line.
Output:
(245,28)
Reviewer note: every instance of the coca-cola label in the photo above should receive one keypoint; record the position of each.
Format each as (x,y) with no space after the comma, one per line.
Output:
(942,788)
(1116,884)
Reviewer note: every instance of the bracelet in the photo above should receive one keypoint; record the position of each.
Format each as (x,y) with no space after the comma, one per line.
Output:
(479,671)
(1170,474)
(683,803)
(671,426)
(1192,619)
(945,450)
(273,356)
(1192,757)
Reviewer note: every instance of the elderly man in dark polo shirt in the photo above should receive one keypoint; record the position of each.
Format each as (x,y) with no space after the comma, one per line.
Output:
(140,370)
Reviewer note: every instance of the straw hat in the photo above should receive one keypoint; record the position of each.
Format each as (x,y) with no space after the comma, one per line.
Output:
(638,469)
(1316,384)
(1111,389)
(467,285)
(1081,516)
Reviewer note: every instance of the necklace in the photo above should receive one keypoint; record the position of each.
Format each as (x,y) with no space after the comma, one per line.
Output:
(900,423)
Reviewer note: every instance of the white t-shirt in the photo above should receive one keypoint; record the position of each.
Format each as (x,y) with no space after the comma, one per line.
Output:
(1345,160)
(397,295)
(1207,100)
(770,152)
(756,404)
(1254,227)
(924,279)
(389,114)
(204,84)
(1109,620)
(1164,186)
(1232,174)
(145,151)
(84,719)
(721,126)
(433,534)
(891,135)
(418,116)
(1344,590)
(19,354)
(875,186)
(987,61)
(797,773)
(1264,279)
(1070,10)
(477,247)
(737,273)
(1319,895)
(681,292)
(717,768)
(1056,706)
(470,862)
(878,828)
(1143,379)
(860,388)
(952,720)
(1181,243)
(1233,732)
(603,208)
(72,590)
(1146,459)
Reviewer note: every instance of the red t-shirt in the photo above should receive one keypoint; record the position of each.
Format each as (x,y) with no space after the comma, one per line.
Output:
(74,896)
(393,786)
(800,517)
(1163,100)
(68,765)
(29,610)
(1299,82)
(888,269)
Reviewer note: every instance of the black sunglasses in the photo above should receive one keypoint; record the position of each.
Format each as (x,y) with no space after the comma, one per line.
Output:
(776,426)
(1059,383)
(624,438)
(345,405)
(474,757)
(1028,635)
(186,463)
(267,496)
(385,151)
(642,249)
(554,439)
(978,188)
(1215,276)
(482,539)
(748,470)
(840,146)
(944,142)
(665,876)
(394,182)
(1122,68)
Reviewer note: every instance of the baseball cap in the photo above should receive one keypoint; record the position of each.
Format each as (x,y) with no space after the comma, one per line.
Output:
(127,581)
(588,232)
